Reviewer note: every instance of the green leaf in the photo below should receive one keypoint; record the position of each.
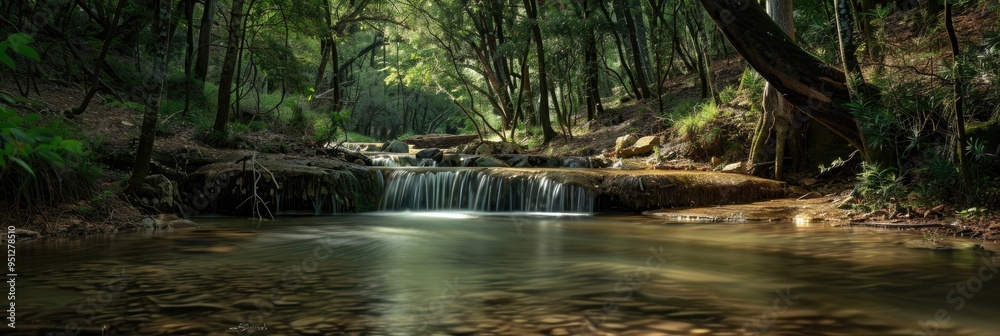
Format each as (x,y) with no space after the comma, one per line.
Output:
(22,137)
(6,60)
(20,39)
(28,52)
(32,117)
(72,146)
(51,157)
(24,165)
(3,162)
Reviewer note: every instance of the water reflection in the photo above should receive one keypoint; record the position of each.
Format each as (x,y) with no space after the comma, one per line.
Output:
(490,273)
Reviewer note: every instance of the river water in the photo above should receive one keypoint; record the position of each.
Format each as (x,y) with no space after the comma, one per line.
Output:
(506,274)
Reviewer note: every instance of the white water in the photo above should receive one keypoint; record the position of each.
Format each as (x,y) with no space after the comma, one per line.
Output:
(479,190)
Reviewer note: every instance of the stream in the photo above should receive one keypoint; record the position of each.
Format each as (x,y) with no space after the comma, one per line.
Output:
(477,273)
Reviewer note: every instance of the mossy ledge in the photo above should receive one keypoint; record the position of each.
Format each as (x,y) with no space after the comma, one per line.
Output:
(322,185)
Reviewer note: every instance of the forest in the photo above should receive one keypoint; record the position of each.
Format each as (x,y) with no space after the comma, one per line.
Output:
(902,93)
(500,167)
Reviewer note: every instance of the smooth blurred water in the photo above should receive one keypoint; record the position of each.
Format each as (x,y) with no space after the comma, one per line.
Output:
(514,273)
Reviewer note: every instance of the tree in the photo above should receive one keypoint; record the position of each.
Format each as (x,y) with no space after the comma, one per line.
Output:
(153,89)
(229,65)
(531,7)
(779,122)
(95,81)
(818,89)
(204,40)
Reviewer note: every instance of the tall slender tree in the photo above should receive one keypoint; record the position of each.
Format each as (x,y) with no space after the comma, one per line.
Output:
(205,40)
(229,65)
(153,88)
(531,8)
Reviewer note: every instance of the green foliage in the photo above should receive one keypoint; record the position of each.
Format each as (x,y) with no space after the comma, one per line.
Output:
(753,84)
(878,187)
(19,145)
(18,43)
(693,123)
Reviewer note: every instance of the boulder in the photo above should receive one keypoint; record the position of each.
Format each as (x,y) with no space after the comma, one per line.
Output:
(491,148)
(158,192)
(430,153)
(625,141)
(396,147)
(735,168)
(642,146)
(489,161)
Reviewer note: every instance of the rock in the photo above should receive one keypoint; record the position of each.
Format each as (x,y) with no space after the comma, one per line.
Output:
(439,140)
(808,181)
(735,168)
(22,234)
(158,192)
(489,161)
(625,141)
(148,223)
(491,148)
(396,147)
(798,191)
(643,146)
(179,224)
(430,153)
(716,161)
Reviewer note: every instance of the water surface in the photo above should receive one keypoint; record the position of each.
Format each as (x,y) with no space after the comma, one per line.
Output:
(506,274)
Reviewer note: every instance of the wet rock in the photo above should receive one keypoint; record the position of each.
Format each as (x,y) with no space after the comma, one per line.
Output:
(396,147)
(430,153)
(489,161)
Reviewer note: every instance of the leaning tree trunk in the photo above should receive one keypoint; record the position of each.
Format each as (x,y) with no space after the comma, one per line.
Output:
(779,124)
(229,66)
(818,89)
(153,89)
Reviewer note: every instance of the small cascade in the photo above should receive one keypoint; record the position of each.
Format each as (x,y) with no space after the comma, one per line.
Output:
(427,163)
(479,190)
(395,160)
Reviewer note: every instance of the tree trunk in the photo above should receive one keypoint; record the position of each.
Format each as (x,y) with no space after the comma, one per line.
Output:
(188,55)
(963,159)
(95,81)
(548,133)
(593,70)
(637,59)
(818,89)
(229,66)
(205,41)
(153,88)
(780,122)
(335,81)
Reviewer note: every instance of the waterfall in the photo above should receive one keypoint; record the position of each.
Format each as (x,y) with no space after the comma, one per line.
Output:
(479,190)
